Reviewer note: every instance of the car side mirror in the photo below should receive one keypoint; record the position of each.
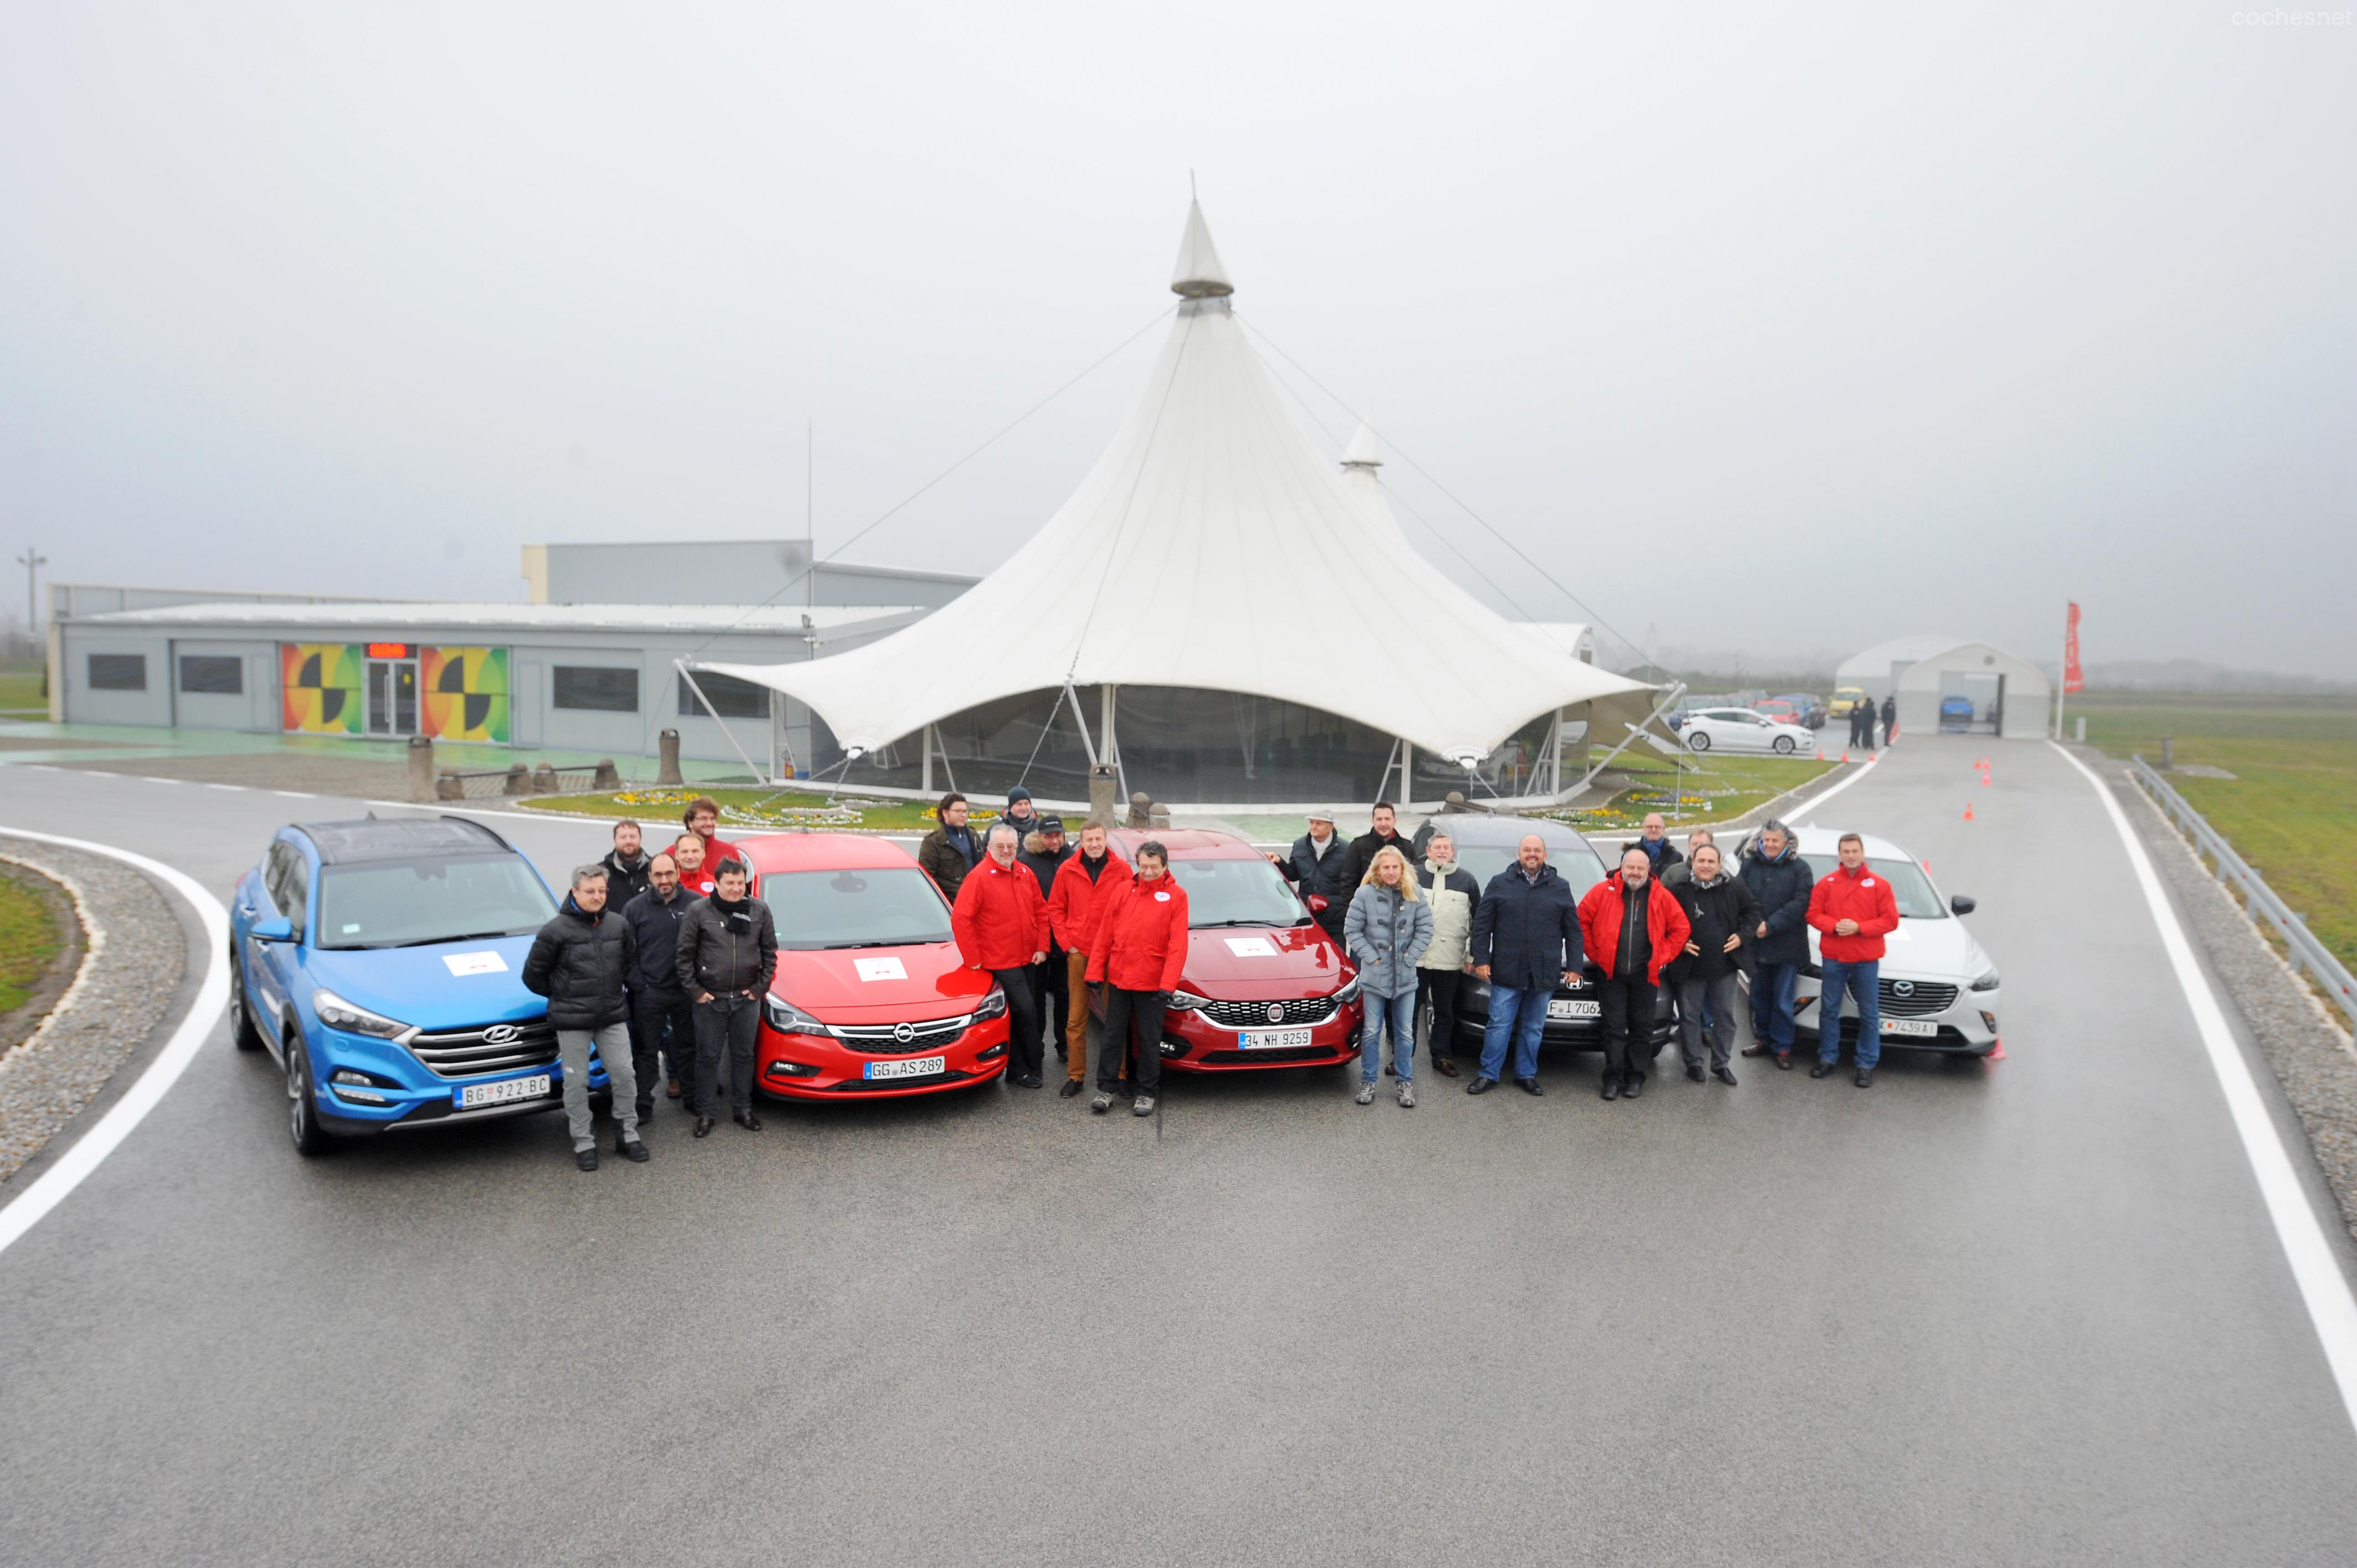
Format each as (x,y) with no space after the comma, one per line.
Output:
(1319,904)
(276,929)
(1962,904)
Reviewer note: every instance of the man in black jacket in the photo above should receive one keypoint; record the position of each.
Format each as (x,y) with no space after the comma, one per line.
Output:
(1780,881)
(1043,853)
(728,953)
(1525,940)
(1384,835)
(1722,913)
(579,962)
(1889,718)
(661,1023)
(1653,838)
(1314,868)
(626,867)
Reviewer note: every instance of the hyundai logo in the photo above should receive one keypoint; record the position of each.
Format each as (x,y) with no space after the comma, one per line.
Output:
(1276,1011)
(904,1033)
(501,1035)
(1902,988)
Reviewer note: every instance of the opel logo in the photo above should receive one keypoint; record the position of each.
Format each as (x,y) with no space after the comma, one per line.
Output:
(1902,988)
(501,1035)
(1276,1011)
(904,1033)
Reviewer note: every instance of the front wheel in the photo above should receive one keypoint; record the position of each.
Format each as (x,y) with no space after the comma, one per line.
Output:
(302,1107)
(241,1031)
(1699,741)
(1784,744)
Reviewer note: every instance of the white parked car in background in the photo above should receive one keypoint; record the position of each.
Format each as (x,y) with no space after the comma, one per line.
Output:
(1938,990)
(1741,729)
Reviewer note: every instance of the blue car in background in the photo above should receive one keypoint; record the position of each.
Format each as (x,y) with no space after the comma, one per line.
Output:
(382,962)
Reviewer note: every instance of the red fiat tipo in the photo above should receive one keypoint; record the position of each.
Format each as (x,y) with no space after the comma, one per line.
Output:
(1265,985)
(870,997)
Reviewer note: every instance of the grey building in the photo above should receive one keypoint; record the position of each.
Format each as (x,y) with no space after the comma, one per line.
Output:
(724,571)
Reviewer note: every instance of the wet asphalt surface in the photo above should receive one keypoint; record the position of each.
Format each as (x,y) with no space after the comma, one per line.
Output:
(2022,1312)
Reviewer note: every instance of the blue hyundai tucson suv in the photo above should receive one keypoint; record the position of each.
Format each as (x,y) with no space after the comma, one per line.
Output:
(382,962)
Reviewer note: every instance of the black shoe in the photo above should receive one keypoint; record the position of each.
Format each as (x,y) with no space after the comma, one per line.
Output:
(585,1158)
(1755,1050)
(1821,1069)
(1611,1089)
(703,1126)
(630,1149)
(1071,1086)
(1445,1066)
(1529,1086)
(1634,1087)
(646,1109)
(1029,1080)
(746,1120)
(1864,1078)
(1784,1061)
(1693,1073)
(1724,1075)
(1482,1086)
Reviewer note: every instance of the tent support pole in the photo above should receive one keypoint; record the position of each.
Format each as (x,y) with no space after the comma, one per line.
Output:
(759,776)
(1106,707)
(1677,690)
(926,782)
(1407,770)
(1081,719)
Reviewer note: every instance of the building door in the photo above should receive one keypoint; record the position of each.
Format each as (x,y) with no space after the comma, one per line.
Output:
(393,696)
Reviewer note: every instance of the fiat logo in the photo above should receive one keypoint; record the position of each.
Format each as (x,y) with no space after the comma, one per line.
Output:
(501,1035)
(1902,988)
(1276,1011)
(904,1033)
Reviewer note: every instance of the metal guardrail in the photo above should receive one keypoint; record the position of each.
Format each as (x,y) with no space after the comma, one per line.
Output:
(475,784)
(2257,896)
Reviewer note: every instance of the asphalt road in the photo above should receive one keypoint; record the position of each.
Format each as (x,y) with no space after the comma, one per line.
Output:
(2024,1312)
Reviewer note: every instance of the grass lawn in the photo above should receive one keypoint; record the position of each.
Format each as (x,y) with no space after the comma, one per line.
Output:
(29,940)
(1710,790)
(2291,808)
(20,688)
(751,810)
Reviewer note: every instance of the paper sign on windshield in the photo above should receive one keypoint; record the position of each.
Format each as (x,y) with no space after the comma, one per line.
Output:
(880,969)
(1250,947)
(475,964)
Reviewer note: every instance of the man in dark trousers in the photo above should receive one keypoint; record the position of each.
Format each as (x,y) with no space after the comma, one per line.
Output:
(1043,854)
(626,867)
(1722,916)
(1653,838)
(728,953)
(1890,719)
(1071,922)
(1633,929)
(1780,882)
(1454,896)
(661,1023)
(1384,835)
(579,962)
(1525,940)
(1314,866)
(1000,922)
(951,850)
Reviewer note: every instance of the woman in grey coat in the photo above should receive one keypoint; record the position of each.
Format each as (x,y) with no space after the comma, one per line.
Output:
(1389,926)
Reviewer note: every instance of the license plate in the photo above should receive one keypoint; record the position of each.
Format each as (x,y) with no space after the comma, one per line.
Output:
(1569,1008)
(910,1067)
(505,1091)
(1923,1027)
(1272,1040)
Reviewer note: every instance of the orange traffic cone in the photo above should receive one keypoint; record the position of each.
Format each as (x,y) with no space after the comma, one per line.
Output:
(1996,1052)
(1821,754)
(1845,756)
(1968,811)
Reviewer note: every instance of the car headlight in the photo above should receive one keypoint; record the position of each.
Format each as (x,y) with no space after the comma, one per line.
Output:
(1187,1001)
(993,1006)
(337,1013)
(788,1020)
(1349,992)
(1986,982)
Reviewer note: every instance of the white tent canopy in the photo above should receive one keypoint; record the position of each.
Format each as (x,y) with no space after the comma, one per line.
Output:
(1211,546)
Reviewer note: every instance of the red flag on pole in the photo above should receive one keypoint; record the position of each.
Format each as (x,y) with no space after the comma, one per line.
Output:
(2072,678)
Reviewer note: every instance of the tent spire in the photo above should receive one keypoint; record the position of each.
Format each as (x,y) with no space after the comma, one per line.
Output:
(1198,274)
(1363,452)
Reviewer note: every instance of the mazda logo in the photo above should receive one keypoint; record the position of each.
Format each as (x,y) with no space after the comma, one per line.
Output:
(1276,1011)
(904,1033)
(1902,988)
(502,1035)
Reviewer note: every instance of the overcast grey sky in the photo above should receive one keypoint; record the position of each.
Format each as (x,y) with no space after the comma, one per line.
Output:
(1781,335)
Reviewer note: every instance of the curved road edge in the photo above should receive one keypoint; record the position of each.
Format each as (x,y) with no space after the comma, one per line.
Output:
(196,1026)
(2323,1289)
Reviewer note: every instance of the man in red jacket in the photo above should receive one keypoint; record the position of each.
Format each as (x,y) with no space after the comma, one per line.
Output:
(1072,902)
(1632,928)
(1139,948)
(702,818)
(1001,925)
(1851,909)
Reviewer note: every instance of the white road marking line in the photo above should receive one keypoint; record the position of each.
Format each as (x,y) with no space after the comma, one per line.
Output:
(2322,1286)
(294,794)
(151,779)
(1813,801)
(239,788)
(204,1012)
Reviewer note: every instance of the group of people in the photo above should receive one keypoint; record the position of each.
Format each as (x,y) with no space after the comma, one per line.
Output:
(658,962)
(1861,722)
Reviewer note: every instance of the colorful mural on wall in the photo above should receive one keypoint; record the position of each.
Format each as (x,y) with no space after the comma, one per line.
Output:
(465,693)
(321,685)
(465,689)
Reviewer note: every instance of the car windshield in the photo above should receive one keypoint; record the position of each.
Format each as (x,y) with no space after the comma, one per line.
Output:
(892,908)
(1237,893)
(1580,865)
(1910,886)
(409,903)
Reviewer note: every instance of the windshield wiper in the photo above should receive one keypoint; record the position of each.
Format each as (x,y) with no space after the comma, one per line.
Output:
(838,947)
(1215,925)
(462,937)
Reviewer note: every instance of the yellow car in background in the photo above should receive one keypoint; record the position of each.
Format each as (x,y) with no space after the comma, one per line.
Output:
(1846,698)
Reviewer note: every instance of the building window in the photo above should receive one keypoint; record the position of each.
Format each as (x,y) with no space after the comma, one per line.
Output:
(596,689)
(213,675)
(118,672)
(731,698)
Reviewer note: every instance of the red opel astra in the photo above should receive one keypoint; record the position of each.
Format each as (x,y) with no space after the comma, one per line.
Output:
(870,996)
(1264,987)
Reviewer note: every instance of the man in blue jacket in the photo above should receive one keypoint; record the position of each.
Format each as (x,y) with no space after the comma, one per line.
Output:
(1525,940)
(1781,882)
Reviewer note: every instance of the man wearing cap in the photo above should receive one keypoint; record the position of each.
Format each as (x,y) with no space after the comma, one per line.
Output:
(1314,868)
(1020,814)
(1043,854)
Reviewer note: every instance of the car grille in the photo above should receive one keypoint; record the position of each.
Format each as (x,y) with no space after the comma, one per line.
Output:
(887,1039)
(464,1053)
(1264,1058)
(1923,998)
(1255,1015)
(885,1085)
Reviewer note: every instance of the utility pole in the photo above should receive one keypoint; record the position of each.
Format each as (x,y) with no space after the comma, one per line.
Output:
(810,511)
(32,561)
